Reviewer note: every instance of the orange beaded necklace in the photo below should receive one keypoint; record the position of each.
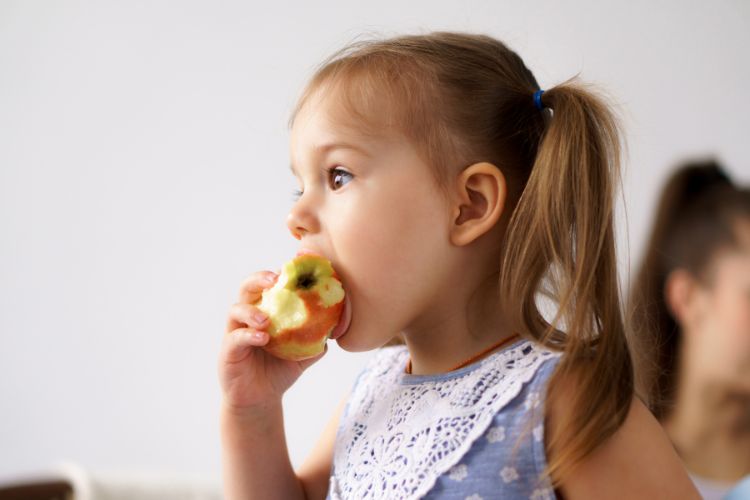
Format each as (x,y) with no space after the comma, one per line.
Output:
(474,357)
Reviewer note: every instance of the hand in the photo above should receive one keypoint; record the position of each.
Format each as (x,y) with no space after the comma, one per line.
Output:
(249,376)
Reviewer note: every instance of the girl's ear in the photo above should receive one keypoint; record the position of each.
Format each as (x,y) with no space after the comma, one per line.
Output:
(679,289)
(480,193)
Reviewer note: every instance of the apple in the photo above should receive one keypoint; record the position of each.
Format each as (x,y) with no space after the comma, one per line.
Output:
(305,306)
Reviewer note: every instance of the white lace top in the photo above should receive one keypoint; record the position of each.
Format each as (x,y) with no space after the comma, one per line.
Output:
(472,433)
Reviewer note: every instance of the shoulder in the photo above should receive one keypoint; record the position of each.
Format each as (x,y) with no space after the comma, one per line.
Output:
(637,461)
(538,373)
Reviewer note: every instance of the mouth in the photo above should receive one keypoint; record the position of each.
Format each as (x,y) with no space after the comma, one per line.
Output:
(344,321)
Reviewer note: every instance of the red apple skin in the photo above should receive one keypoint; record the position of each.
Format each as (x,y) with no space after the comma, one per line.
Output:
(308,340)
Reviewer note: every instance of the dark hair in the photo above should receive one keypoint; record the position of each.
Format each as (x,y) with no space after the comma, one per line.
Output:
(464,98)
(696,217)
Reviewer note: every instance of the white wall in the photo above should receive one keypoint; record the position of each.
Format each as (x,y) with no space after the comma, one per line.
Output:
(143,175)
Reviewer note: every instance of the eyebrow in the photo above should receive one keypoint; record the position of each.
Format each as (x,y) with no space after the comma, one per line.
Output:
(327,148)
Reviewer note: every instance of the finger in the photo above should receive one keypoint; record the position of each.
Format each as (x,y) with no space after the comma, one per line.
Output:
(252,288)
(238,343)
(241,315)
(305,363)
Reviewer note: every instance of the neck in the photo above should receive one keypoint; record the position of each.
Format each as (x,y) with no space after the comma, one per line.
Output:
(710,427)
(455,330)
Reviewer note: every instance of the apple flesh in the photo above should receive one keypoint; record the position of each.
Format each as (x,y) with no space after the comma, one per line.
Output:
(304,307)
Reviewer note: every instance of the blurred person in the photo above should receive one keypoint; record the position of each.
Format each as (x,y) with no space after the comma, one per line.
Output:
(691,315)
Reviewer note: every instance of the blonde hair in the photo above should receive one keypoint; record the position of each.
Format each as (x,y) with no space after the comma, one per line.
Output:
(465,98)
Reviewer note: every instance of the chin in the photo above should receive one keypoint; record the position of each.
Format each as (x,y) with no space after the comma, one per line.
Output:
(347,341)
(356,348)
(355,340)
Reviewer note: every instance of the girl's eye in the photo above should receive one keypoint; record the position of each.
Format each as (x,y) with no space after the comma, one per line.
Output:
(338,177)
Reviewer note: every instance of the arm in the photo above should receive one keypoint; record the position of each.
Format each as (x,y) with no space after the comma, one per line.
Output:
(255,459)
(255,456)
(637,461)
(269,474)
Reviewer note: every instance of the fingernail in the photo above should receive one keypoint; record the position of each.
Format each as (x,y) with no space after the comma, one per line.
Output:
(257,335)
(269,278)
(260,318)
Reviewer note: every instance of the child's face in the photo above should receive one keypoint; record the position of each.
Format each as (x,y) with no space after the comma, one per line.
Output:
(721,322)
(379,217)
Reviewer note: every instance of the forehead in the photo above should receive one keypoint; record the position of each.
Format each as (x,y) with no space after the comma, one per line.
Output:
(324,123)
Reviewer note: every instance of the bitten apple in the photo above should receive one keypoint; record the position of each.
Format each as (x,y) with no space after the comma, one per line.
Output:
(304,307)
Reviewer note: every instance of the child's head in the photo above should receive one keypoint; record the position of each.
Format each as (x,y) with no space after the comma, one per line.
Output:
(460,181)
(692,293)
(423,109)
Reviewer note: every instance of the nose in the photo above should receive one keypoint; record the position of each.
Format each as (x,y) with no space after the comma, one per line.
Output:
(301,221)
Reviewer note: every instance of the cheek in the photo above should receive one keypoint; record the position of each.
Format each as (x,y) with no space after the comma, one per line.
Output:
(730,333)
(733,316)
(393,247)
(390,250)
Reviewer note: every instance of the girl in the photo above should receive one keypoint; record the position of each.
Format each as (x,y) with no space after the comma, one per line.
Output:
(449,192)
(691,299)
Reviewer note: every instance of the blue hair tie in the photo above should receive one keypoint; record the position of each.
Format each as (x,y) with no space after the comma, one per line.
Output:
(538,100)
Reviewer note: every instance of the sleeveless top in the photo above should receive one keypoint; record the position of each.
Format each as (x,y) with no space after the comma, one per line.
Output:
(717,490)
(474,433)
(708,489)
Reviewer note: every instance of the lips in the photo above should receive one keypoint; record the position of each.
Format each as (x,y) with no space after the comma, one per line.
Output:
(344,321)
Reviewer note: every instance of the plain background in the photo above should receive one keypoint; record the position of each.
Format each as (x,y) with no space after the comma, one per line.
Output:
(144,174)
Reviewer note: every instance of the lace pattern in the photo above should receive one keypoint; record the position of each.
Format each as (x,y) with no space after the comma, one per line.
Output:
(401,432)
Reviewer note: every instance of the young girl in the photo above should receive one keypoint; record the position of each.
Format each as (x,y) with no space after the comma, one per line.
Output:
(691,300)
(450,194)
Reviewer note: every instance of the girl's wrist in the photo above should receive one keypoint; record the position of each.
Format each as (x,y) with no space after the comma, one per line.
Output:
(254,412)
(246,432)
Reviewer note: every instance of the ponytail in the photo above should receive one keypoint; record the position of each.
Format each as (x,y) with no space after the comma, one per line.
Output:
(561,240)
(695,217)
